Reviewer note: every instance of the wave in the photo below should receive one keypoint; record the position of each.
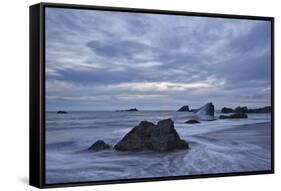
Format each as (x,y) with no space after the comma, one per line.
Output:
(60,145)
(215,147)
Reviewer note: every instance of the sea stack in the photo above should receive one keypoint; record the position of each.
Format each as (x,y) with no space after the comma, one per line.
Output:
(241,109)
(206,112)
(156,137)
(99,145)
(184,108)
(266,109)
(132,109)
(61,112)
(227,110)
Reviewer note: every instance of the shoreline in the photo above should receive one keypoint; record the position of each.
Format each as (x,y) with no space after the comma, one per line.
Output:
(257,134)
(243,127)
(234,148)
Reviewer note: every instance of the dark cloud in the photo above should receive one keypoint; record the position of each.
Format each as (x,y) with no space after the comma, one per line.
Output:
(99,76)
(119,49)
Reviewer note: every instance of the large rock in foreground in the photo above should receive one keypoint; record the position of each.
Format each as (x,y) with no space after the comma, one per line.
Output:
(184,108)
(148,136)
(234,116)
(99,146)
(207,112)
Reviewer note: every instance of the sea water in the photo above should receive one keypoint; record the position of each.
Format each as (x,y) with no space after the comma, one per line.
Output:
(219,146)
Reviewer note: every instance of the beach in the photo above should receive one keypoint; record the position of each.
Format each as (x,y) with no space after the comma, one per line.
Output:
(241,148)
(220,146)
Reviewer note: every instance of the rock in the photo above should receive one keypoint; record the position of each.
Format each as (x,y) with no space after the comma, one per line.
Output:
(206,112)
(99,146)
(207,109)
(266,109)
(61,112)
(224,117)
(184,108)
(133,109)
(238,115)
(227,110)
(148,136)
(234,116)
(192,121)
(241,109)
(182,144)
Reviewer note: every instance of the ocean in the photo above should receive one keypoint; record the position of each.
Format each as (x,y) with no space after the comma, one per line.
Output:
(220,146)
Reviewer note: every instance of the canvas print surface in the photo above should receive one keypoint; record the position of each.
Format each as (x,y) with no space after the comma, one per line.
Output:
(134,95)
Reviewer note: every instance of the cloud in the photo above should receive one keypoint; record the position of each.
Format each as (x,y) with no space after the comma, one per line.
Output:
(163,86)
(124,59)
(123,48)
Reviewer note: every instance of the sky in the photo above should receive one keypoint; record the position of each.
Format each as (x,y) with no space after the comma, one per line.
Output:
(102,60)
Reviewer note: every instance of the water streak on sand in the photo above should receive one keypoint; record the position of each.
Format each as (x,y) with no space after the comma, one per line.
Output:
(219,146)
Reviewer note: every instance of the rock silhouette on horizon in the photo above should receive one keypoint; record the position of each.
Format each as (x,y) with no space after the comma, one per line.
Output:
(99,145)
(207,112)
(227,110)
(184,108)
(266,109)
(239,109)
(245,109)
(132,109)
(61,112)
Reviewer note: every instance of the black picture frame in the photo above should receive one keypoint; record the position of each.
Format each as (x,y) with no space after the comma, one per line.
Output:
(37,94)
